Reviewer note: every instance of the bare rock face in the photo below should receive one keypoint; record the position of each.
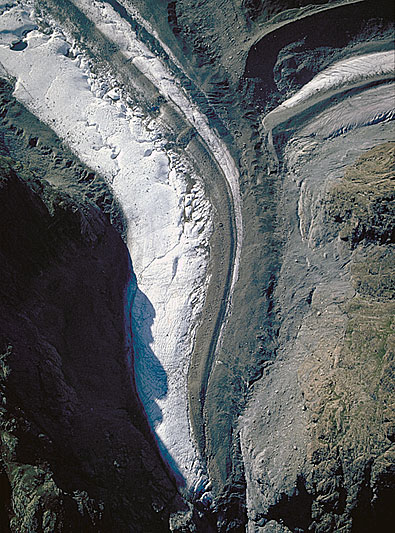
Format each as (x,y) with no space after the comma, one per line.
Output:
(317,434)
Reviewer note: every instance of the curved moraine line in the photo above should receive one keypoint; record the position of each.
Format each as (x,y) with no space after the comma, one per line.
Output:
(116,27)
(343,75)
(157,72)
(114,140)
(217,147)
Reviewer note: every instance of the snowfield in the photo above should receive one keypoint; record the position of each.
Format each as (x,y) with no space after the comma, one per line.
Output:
(168,216)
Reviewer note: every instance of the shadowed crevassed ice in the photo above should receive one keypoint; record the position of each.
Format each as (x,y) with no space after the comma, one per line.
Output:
(169,221)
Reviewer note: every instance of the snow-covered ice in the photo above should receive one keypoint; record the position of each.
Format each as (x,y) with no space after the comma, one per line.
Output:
(118,30)
(169,222)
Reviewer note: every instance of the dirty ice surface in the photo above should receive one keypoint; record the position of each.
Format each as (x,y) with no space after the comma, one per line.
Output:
(372,106)
(337,78)
(168,215)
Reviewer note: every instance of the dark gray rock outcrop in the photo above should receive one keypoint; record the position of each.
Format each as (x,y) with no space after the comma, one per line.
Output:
(76,451)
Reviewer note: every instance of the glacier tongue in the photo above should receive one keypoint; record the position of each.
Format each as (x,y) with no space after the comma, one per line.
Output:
(168,219)
(346,74)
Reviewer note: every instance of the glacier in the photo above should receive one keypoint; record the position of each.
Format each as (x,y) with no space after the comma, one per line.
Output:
(343,75)
(169,222)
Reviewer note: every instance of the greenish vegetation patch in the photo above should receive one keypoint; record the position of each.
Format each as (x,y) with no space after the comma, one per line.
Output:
(362,203)
(374,273)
